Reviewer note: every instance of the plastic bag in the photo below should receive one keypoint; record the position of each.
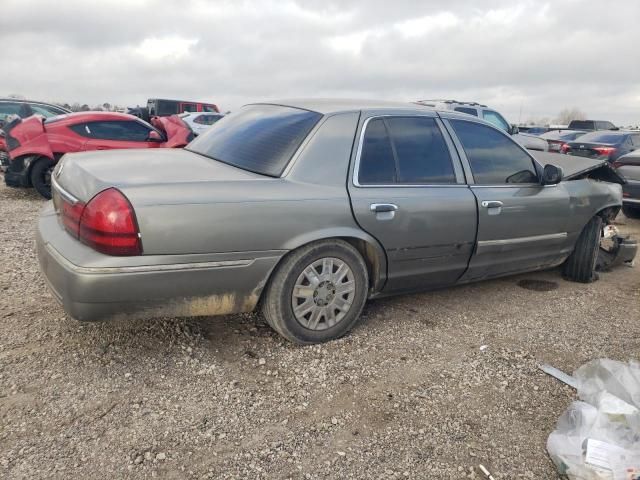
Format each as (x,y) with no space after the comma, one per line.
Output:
(598,438)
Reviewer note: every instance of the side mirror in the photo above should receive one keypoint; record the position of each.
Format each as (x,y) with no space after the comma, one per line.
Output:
(155,137)
(513,130)
(551,175)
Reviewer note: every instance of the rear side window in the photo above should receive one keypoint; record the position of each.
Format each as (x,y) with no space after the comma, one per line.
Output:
(582,124)
(423,156)
(46,111)
(113,130)
(467,110)
(206,119)
(495,159)
(258,138)
(377,163)
(165,107)
(404,150)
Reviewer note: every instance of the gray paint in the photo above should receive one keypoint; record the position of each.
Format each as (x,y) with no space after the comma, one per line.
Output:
(212,233)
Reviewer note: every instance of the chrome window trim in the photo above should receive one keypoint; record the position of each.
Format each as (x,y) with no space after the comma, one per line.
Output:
(356,167)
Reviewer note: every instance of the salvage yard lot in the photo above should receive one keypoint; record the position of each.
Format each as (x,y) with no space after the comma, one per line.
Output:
(408,394)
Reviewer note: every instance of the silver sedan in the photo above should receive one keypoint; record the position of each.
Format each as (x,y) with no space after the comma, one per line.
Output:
(307,209)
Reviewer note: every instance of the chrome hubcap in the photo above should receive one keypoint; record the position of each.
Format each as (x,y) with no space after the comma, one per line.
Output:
(323,294)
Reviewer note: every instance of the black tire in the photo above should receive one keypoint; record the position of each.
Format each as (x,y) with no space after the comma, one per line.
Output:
(631,212)
(277,303)
(581,264)
(41,176)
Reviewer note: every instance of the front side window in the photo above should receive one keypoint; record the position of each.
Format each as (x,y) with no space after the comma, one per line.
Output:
(113,130)
(494,118)
(404,151)
(9,109)
(467,110)
(495,159)
(208,108)
(258,138)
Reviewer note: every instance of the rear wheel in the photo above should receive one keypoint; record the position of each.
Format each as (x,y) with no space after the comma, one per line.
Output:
(317,293)
(631,212)
(41,176)
(581,264)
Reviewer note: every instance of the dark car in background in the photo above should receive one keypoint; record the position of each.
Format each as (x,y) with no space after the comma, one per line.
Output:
(591,125)
(557,138)
(628,166)
(604,145)
(11,108)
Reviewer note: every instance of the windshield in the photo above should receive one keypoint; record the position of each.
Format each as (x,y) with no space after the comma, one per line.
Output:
(258,138)
(602,137)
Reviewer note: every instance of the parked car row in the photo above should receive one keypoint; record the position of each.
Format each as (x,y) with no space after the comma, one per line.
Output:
(34,145)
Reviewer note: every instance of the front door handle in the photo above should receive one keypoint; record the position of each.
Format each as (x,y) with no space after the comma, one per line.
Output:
(383,207)
(491,204)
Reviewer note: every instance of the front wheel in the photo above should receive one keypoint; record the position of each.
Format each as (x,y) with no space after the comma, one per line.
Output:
(41,176)
(581,264)
(317,293)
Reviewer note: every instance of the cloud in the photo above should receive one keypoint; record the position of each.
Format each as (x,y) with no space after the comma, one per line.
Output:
(527,59)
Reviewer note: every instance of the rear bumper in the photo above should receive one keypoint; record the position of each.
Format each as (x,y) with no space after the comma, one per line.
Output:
(228,283)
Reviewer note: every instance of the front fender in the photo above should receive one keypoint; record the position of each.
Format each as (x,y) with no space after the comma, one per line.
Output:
(31,137)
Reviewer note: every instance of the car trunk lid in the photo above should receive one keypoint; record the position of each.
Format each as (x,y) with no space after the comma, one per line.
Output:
(591,150)
(83,175)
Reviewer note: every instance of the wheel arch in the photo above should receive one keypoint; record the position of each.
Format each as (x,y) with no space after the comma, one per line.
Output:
(30,159)
(371,251)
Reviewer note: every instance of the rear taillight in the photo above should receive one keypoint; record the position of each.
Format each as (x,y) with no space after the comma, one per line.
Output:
(555,145)
(107,223)
(71,213)
(565,148)
(605,150)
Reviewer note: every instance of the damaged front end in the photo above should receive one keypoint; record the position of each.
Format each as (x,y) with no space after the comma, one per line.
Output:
(615,249)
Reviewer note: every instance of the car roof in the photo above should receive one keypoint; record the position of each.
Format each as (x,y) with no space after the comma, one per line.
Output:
(329,105)
(93,116)
(22,100)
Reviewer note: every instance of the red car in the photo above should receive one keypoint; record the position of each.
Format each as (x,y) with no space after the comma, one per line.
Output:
(36,144)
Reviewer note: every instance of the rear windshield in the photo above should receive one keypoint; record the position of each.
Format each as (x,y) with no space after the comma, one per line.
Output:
(587,124)
(602,137)
(258,138)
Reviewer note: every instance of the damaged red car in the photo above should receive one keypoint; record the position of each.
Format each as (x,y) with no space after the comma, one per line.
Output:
(35,144)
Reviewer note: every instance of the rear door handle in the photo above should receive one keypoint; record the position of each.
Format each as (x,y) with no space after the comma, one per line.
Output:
(491,204)
(383,207)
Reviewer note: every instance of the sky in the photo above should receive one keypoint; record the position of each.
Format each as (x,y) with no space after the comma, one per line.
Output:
(527,59)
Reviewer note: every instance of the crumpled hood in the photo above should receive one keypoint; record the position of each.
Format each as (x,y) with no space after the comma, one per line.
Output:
(575,167)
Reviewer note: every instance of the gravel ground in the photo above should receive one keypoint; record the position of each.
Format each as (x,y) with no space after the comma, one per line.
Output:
(409,394)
